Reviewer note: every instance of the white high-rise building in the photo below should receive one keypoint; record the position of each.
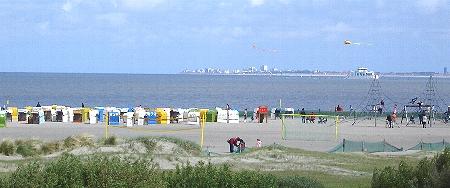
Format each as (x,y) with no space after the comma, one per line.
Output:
(264,68)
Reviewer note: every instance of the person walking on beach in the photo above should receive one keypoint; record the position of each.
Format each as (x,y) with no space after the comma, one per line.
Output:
(389,120)
(245,115)
(424,121)
(228,113)
(421,115)
(303,114)
(394,119)
(404,115)
(381,107)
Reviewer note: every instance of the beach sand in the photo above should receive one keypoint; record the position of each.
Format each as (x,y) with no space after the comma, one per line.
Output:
(216,134)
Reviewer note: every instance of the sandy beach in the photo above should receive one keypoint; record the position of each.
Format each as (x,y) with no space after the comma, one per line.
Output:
(216,134)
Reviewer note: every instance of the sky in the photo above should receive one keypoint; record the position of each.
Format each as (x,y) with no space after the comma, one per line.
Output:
(168,36)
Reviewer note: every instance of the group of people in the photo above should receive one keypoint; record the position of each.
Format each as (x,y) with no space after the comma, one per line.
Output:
(422,114)
(239,143)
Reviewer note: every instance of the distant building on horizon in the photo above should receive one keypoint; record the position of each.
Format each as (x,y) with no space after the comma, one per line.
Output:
(264,68)
(445,70)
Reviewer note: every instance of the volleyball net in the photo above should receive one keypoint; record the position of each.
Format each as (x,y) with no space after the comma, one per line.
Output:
(311,127)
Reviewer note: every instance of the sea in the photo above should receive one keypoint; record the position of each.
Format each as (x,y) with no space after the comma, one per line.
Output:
(209,91)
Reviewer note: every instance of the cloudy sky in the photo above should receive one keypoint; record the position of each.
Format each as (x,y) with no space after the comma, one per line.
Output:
(167,36)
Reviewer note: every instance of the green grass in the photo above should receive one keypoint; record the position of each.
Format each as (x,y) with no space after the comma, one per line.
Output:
(329,180)
(363,162)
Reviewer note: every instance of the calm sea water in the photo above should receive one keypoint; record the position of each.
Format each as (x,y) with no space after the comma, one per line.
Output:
(202,91)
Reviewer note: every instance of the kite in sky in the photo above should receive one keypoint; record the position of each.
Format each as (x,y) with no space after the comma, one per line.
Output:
(348,42)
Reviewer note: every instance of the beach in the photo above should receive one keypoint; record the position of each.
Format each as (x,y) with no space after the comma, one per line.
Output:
(216,134)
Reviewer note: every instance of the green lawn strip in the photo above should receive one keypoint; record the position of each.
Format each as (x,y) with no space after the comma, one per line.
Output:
(366,163)
(357,161)
(329,180)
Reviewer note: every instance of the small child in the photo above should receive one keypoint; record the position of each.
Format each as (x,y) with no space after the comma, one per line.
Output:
(258,143)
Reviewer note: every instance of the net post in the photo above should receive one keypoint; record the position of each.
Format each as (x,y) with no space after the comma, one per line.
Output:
(202,125)
(283,128)
(336,127)
(106,129)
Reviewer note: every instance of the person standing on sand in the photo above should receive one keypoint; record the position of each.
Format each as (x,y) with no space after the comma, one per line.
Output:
(303,114)
(404,115)
(421,115)
(394,119)
(228,113)
(424,121)
(245,115)
(389,119)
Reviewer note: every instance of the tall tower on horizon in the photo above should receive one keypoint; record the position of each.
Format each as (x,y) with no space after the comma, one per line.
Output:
(445,70)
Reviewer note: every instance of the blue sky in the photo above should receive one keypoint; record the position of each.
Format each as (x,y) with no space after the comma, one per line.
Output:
(167,36)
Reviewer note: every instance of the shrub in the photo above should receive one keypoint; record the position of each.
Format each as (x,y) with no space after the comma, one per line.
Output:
(428,173)
(207,175)
(110,141)
(27,175)
(85,140)
(77,141)
(298,181)
(95,171)
(51,147)
(70,142)
(149,144)
(67,171)
(7,148)
(101,171)
(27,148)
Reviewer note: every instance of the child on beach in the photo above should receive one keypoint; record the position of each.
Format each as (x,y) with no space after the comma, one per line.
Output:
(258,143)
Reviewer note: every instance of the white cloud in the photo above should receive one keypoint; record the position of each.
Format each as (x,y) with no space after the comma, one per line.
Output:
(290,34)
(240,31)
(430,6)
(70,4)
(114,19)
(285,2)
(220,31)
(380,3)
(340,27)
(255,3)
(142,4)
(43,27)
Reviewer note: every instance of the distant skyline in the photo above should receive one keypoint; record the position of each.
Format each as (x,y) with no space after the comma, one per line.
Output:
(167,36)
